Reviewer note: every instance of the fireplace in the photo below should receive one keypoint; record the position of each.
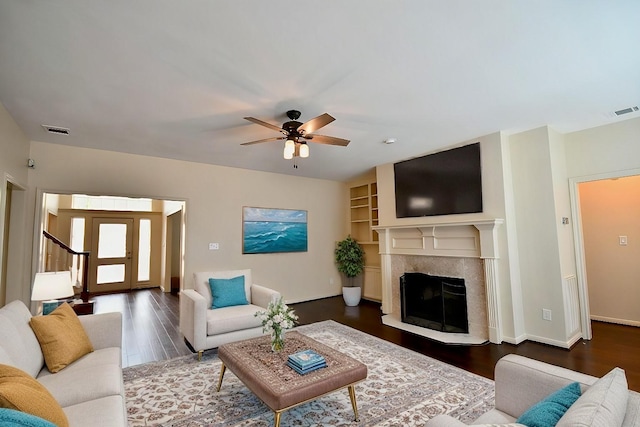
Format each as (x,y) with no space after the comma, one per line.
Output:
(434,302)
(465,249)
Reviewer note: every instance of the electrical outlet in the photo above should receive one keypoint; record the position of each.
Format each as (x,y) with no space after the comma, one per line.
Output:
(214,246)
(331,280)
(546,314)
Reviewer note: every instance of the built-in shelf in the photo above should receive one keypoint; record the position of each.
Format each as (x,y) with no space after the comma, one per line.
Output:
(364,215)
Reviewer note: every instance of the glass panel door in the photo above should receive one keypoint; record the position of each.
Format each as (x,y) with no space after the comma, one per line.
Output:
(111,254)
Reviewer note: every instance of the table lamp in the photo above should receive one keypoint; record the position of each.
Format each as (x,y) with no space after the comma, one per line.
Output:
(48,287)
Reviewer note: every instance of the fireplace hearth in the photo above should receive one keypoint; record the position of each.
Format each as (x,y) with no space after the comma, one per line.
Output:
(434,302)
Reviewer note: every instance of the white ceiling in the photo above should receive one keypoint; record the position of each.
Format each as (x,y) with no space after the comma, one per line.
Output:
(175,78)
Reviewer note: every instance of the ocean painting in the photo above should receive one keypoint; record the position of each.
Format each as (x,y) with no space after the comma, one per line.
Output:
(273,230)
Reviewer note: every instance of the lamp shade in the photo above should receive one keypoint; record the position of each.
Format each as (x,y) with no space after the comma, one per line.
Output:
(53,285)
(289,149)
(304,151)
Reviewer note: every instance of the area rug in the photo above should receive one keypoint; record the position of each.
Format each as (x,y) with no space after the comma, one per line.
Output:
(403,388)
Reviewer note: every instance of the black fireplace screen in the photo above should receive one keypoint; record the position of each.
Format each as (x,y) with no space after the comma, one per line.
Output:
(434,302)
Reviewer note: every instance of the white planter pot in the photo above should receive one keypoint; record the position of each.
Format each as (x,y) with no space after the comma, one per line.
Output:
(352,295)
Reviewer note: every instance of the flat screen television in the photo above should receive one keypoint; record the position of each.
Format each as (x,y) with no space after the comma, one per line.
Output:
(444,183)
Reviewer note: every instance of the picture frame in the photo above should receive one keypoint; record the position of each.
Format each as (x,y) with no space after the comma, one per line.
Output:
(269,230)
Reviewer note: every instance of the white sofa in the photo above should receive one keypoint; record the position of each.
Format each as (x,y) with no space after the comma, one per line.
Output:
(521,382)
(205,328)
(89,390)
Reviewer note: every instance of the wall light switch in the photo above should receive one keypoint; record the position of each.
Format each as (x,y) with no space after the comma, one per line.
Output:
(214,246)
(623,240)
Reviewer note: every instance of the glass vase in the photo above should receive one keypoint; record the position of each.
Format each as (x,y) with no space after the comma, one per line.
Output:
(277,341)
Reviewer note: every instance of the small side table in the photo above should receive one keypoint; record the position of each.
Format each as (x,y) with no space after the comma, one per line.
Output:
(81,307)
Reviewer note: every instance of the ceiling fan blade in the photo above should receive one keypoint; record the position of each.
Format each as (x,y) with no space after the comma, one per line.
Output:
(316,123)
(330,140)
(275,138)
(265,124)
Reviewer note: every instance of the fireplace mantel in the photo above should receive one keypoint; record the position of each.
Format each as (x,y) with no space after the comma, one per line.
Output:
(472,238)
(469,238)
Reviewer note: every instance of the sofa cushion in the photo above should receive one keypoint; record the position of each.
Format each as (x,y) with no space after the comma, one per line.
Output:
(20,391)
(24,351)
(61,337)
(227,292)
(13,418)
(602,404)
(95,359)
(229,319)
(73,386)
(107,411)
(549,410)
(201,282)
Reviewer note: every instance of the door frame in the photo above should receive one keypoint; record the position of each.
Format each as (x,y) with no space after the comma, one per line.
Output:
(578,240)
(38,245)
(12,240)
(127,259)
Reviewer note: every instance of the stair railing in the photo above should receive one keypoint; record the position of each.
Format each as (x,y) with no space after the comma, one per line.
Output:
(60,257)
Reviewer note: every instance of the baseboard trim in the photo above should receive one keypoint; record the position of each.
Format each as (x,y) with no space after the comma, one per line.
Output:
(616,321)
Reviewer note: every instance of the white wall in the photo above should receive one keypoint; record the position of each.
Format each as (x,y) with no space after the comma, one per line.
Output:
(537,173)
(613,148)
(14,147)
(214,198)
(495,196)
(14,152)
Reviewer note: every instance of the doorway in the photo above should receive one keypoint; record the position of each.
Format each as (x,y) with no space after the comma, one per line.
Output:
(12,241)
(126,238)
(615,231)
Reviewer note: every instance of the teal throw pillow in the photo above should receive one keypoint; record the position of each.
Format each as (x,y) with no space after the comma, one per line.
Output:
(228,292)
(13,418)
(549,410)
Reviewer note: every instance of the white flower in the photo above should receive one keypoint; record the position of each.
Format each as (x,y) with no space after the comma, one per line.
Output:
(277,318)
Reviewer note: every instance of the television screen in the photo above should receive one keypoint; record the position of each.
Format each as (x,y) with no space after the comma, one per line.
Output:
(444,183)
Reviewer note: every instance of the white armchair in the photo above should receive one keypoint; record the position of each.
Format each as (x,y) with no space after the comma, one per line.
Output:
(205,328)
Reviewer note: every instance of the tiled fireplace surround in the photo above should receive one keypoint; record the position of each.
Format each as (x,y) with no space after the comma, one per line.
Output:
(465,250)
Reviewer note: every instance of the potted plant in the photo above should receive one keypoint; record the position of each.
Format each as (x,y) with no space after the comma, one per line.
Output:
(349,257)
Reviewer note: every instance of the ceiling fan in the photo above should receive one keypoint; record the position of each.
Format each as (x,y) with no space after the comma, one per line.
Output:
(297,134)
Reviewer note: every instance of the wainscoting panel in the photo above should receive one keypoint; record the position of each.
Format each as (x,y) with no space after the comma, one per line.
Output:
(571,305)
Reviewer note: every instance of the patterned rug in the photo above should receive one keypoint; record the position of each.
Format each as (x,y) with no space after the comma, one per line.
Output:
(403,388)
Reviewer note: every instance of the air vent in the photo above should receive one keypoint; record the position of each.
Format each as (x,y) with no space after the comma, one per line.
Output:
(626,111)
(57,130)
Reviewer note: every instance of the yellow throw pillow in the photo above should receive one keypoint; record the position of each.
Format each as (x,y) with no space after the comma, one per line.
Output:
(61,336)
(20,391)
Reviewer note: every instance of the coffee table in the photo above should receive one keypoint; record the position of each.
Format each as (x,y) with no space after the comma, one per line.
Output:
(267,375)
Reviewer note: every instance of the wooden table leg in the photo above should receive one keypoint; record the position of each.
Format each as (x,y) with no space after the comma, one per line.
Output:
(276,418)
(352,396)
(222,370)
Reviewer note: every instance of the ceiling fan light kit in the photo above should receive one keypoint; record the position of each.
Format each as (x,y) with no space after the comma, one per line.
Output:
(297,134)
(304,150)
(289,149)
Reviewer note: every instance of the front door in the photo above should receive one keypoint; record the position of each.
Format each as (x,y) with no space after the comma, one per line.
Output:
(111,255)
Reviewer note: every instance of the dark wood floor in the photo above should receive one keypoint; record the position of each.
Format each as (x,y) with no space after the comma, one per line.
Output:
(151,333)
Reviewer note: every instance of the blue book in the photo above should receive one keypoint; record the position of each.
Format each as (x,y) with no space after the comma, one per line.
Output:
(306,371)
(320,363)
(305,358)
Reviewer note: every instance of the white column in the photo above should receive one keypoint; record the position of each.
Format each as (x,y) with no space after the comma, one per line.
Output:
(493,299)
(385,270)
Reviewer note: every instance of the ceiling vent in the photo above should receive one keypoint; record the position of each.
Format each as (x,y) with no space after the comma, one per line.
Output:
(56,130)
(626,111)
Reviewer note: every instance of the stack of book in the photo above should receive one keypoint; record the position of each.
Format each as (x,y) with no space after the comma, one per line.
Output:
(306,361)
